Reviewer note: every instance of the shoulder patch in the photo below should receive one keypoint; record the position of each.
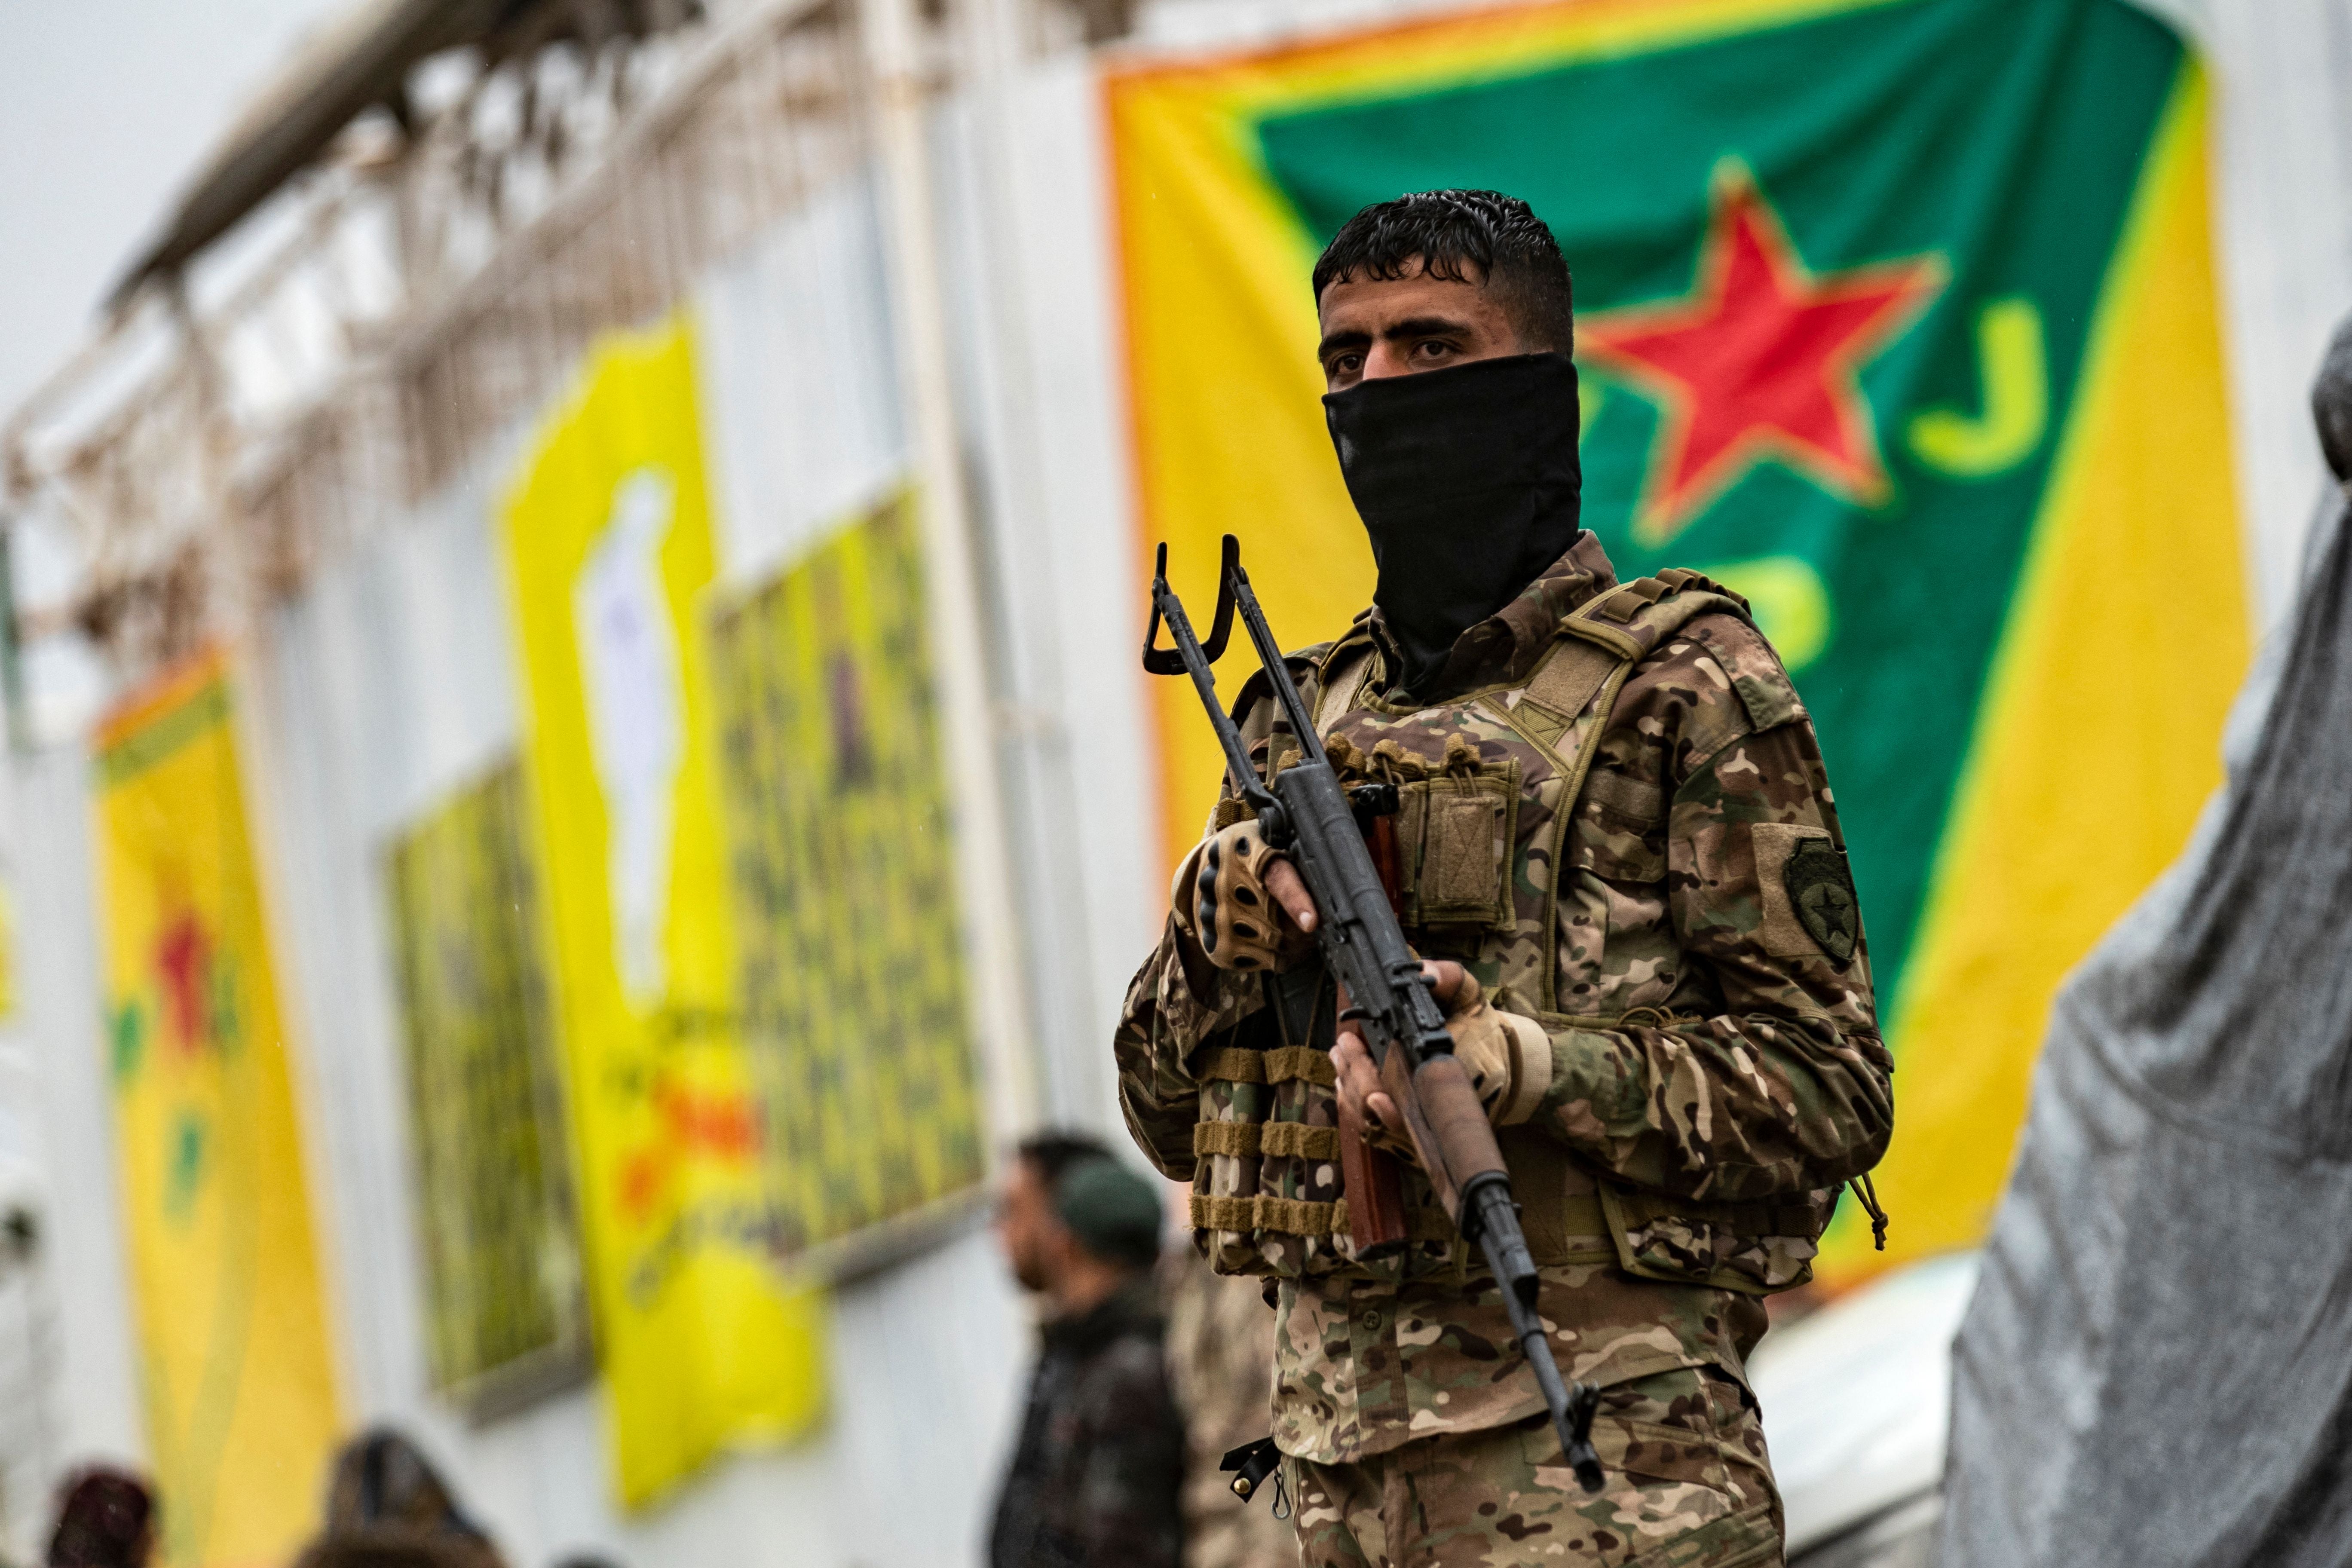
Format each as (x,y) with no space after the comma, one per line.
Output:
(1821,891)
(1757,676)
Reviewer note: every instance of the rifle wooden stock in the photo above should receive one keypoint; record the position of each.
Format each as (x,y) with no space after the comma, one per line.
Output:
(1381,840)
(1450,1106)
(1374,1183)
(1450,1135)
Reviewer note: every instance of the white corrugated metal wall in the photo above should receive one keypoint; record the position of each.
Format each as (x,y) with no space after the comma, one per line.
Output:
(393,685)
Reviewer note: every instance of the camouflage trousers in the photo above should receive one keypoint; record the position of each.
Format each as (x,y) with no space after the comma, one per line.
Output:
(1689,1486)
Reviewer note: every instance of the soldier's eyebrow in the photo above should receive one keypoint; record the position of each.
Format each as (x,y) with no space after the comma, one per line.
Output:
(1424,326)
(1334,342)
(1395,331)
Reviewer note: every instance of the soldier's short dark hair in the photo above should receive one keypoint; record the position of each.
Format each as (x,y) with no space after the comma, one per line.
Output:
(1468,237)
(1055,1150)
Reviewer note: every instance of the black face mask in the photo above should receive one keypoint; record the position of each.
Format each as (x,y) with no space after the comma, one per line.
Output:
(1469,482)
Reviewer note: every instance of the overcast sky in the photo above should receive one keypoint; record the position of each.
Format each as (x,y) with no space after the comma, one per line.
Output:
(106,107)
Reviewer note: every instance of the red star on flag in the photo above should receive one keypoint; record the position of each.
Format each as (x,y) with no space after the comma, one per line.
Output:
(1760,361)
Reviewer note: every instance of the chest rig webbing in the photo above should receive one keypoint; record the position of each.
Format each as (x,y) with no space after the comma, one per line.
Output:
(1488,783)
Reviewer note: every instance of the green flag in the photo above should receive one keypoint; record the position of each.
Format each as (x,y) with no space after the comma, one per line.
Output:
(1899,319)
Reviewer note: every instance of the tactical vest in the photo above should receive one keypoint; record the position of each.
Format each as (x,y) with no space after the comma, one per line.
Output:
(1488,783)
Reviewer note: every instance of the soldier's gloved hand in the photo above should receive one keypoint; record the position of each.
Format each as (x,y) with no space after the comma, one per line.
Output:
(1362,1100)
(1242,902)
(1508,1057)
(1508,1054)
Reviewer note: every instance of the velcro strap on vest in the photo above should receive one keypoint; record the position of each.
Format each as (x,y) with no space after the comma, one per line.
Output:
(1626,600)
(1342,680)
(1576,1214)
(1280,1139)
(1295,1216)
(1290,1064)
(1570,676)
(1292,1217)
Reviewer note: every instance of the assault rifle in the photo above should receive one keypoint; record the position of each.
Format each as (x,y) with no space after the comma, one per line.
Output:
(1309,817)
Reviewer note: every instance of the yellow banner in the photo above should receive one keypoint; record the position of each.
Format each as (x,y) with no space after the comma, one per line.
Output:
(853,986)
(609,549)
(505,1314)
(237,1375)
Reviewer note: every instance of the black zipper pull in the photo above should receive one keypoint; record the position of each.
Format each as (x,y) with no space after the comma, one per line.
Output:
(1255,1461)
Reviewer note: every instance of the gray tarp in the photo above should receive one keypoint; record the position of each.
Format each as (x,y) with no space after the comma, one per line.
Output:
(2157,1365)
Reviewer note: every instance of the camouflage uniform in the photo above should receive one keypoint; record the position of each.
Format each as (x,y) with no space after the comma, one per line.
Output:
(1616,815)
(1687,1480)
(1221,1367)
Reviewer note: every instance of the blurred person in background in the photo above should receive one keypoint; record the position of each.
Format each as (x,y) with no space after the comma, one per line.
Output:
(106,1518)
(388,1508)
(1221,1367)
(1097,1473)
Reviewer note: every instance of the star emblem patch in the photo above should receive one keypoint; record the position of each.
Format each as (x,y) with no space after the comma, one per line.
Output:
(1821,889)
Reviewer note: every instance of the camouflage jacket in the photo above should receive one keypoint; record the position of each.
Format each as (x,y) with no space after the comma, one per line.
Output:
(1717,1069)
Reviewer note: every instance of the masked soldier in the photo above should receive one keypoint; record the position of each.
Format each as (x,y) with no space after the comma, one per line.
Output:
(1615,843)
